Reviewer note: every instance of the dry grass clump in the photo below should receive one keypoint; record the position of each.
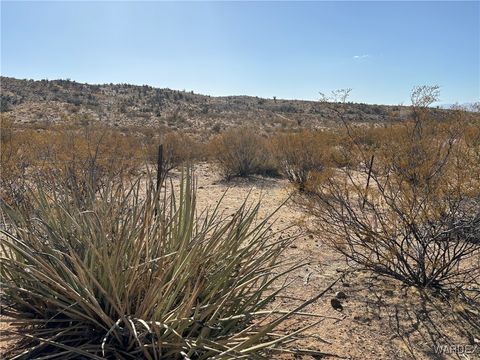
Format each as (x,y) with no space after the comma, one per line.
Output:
(127,272)
(242,152)
(411,208)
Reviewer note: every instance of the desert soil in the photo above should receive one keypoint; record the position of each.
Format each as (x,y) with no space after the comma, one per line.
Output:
(380,319)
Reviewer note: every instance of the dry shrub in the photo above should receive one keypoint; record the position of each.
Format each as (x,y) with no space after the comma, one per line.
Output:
(13,161)
(411,208)
(242,152)
(472,148)
(94,152)
(370,137)
(70,153)
(303,155)
(178,149)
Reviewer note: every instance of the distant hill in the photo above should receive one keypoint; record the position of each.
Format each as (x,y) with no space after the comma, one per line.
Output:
(29,101)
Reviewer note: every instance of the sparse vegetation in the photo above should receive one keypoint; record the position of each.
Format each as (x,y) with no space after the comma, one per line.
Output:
(96,263)
(178,149)
(129,105)
(242,152)
(117,274)
(67,153)
(303,155)
(411,208)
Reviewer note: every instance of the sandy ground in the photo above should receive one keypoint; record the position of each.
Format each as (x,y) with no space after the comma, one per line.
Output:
(380,318)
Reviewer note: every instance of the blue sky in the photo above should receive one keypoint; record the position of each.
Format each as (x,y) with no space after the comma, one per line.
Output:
(282,49)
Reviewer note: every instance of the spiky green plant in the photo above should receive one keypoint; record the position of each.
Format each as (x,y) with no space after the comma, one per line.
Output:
(132,273)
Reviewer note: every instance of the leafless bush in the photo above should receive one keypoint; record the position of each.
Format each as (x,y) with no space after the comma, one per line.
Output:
(337,95)
(411,209)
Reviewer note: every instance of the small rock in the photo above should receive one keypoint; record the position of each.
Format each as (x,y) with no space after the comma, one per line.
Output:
(336,304)
(340,295)
(310,236)
(201,187)
(362,319)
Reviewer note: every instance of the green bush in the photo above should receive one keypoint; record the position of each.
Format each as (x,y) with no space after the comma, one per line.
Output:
(128,272)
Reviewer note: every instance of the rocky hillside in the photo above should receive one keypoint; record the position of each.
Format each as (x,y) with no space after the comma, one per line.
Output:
(29,101)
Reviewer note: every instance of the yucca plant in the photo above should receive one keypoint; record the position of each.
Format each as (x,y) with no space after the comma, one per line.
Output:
(135,273)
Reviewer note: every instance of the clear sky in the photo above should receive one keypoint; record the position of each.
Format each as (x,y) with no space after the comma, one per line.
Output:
(282,49)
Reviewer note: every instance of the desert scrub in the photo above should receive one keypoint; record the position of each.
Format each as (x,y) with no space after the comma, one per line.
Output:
(129,272)
(68,152)
(242,152)
(303,155)
(411,208)
(178,149)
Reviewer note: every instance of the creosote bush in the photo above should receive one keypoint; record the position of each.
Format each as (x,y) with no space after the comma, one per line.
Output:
(303,155)
(70,153)
(410,209)
(130,273)
(242,152)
